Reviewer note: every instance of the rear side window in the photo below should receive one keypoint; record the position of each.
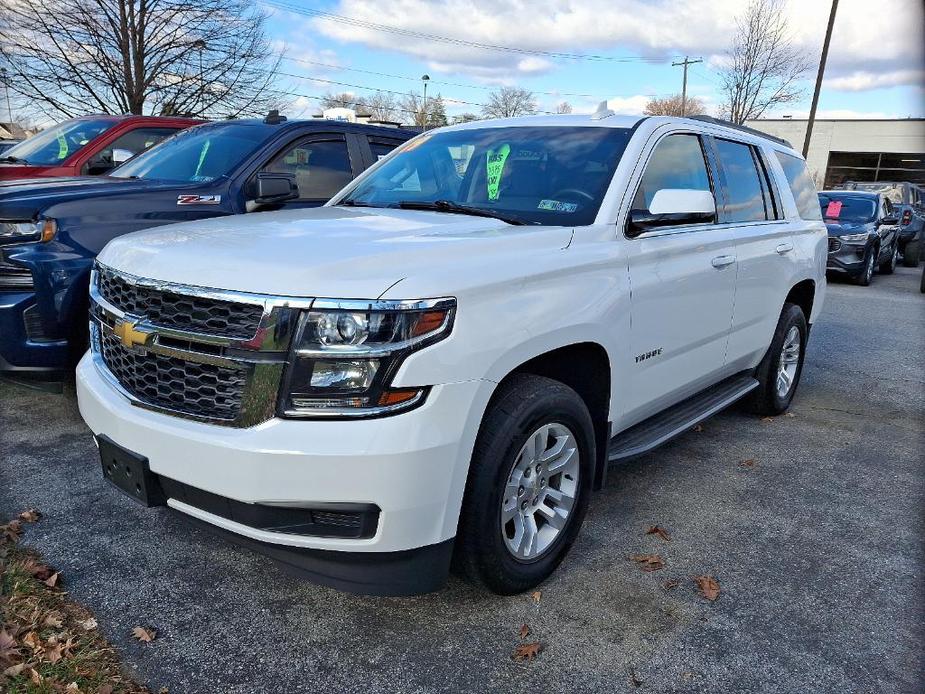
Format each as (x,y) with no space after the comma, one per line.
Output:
(381,147)
(744,191)
(677,162)
(801,185)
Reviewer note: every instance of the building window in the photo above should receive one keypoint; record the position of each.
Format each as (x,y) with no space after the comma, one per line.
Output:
(874,166)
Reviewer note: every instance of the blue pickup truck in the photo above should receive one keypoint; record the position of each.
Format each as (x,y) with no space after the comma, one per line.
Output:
(52,229)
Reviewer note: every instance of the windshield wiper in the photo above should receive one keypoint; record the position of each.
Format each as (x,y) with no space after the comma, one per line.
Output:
(355,203)
(455,207)
(13,160)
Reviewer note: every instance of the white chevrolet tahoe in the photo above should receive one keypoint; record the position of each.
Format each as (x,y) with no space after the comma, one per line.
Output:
(442,362)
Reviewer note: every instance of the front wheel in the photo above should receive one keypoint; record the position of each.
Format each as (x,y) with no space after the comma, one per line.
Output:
(779,372)
(528,486)
(888,265)
(911,252)
(867,273)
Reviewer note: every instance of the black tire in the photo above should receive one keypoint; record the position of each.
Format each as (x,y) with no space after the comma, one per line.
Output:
(522,405)
(888,265)
(765,399)
(870,260)
(912,252)
(922,285)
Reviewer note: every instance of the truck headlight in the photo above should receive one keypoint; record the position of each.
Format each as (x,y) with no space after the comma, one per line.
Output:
(23,231)
(345,354)
(854,238)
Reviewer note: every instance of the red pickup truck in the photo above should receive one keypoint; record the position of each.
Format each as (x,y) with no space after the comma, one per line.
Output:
(87,146)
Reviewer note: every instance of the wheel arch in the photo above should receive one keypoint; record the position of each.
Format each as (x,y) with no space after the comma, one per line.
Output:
(803,294)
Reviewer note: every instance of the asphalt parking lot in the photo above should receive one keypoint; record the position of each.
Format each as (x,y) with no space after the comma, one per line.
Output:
(817,547)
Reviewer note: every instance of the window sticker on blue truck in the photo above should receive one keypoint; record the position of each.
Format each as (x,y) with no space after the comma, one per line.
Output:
(199,199)
(556,206)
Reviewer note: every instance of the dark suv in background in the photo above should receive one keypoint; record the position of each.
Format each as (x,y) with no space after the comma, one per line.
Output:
(53,228)
(863,233)
(909,202)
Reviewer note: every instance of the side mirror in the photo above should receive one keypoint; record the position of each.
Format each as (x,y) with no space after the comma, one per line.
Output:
(673,207)
(888,221)
(120,156)
(275,187)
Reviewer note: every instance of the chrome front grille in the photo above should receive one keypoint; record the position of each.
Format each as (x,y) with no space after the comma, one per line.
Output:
(834,244)
(210,355)
(201,390)
(171,310)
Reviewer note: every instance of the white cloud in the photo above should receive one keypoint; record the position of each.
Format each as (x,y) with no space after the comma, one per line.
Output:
(863,80)
(879,38)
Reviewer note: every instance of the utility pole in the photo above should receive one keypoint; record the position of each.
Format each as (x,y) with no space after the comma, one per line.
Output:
(425,79)
(687,61)
(825,54)
(6,88)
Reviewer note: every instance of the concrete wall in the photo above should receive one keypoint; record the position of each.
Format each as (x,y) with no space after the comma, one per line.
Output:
(847,136)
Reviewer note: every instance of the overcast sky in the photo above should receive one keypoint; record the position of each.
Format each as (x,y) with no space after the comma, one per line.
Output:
(875,66)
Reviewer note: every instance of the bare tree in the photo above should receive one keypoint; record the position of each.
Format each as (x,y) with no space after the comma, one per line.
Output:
(464,118)
(672,106)
(382,106)
(198,57)
(508,102)
(340,100)
(564,107)
(413,109)
(763,66)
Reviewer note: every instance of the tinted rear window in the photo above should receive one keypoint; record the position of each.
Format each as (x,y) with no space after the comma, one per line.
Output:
(801,185)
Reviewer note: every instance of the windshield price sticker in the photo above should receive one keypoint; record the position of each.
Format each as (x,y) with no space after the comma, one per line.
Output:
(199,199)
(556,206)
(62,146)
(496,160)
(834,209)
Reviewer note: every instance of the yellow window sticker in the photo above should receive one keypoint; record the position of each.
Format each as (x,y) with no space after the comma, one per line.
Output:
(62,147)
(495,162)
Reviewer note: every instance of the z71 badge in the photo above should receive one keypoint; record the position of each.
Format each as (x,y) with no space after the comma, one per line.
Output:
(199,199)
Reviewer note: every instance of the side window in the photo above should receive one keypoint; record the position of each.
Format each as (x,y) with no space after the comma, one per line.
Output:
(677,162)
(745,193)
(321,167)
(801,185)
(128,144)
(380,147)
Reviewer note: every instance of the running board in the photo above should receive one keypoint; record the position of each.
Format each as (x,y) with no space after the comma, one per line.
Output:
(659,428)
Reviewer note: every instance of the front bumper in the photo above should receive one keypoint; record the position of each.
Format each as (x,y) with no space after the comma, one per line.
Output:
(21,351)
(411,466)
(847,258)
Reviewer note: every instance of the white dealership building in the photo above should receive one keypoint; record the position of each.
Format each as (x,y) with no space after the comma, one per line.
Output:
(856,150)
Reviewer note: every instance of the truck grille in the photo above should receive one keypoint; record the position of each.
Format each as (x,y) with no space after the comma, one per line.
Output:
(200,390)
(14,278)
(834,244)
(170,310)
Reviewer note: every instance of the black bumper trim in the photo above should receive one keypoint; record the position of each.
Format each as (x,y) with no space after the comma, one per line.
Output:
(404,573)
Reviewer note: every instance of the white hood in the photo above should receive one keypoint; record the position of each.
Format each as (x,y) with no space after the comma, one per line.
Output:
(330,251)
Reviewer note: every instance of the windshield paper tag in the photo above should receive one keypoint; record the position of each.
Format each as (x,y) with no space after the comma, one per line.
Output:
(834,209)
(556,206)
(62,147)
(199,199)
(495,169)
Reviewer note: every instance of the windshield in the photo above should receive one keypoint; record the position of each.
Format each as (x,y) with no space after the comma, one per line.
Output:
(539,175)
(196,155)
(54,145)
(847,208)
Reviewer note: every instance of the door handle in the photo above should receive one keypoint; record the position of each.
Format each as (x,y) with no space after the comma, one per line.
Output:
(784,248)
(722,261)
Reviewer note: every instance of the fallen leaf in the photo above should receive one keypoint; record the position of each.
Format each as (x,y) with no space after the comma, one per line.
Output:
(89,624)
(11,531)
(709,587)
(72,687)
(53,620)
(8,646)
(648,562)
(661,532)
(32,640)
(52,580)
(634,680)
(41,571)
(687,676)
(53,654)
(790,414)
(536,595)
(524,631)
(30,516)
(34,676)
(526,651)
(143,634)
(163,690)
(698,428)
(105,689)
(671,584)
(767,419)
(14,670)
(750,462)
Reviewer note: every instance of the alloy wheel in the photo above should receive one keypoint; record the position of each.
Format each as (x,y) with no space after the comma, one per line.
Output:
(789,361)
(540,492)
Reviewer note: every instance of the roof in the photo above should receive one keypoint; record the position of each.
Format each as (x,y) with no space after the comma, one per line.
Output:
(315,124)
(852,193)
(562,120)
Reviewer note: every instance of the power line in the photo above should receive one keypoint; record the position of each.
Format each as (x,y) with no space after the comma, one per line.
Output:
(352,21)
(687,61)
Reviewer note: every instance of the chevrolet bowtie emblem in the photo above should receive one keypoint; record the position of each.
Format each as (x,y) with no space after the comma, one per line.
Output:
(129,334)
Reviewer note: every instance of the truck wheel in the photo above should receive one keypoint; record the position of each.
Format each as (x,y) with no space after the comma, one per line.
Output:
(528,486)
(867,273)
(911,253)
(779,372)
(888,265)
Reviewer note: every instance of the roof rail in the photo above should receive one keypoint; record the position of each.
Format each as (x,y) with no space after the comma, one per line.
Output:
(743,128)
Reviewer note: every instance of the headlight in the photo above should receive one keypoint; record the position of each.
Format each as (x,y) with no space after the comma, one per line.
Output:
(345,354)
(20,232)
(854,238)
